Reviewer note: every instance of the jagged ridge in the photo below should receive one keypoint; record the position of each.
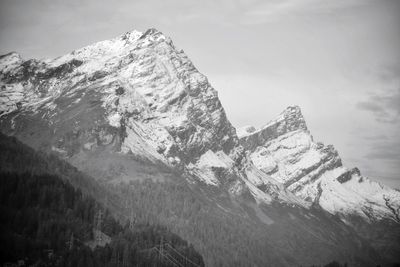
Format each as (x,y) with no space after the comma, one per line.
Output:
(285,149)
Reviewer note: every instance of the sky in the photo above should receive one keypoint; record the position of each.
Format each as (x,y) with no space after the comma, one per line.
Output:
(338,60)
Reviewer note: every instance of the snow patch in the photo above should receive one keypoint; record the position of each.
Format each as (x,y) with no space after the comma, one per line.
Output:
(245,131)
(114,120)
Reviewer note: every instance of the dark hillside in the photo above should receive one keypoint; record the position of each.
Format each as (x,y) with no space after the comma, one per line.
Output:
(45,221)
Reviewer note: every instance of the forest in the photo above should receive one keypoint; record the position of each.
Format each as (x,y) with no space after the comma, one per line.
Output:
(46,221)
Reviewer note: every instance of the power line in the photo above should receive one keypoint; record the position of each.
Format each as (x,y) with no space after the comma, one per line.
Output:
(183,256)
(170,259)
(163,253)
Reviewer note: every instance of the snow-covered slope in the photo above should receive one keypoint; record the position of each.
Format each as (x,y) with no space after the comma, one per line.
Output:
(285,150)
(136,95)
(143,83)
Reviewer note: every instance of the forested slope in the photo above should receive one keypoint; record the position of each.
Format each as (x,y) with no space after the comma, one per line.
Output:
(44,220)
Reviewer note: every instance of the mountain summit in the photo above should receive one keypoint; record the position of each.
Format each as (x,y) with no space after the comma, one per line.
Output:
(289,120)
(135,107)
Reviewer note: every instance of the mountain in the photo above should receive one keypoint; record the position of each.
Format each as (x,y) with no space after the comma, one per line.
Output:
(285,149)
(134,113)
(135,95)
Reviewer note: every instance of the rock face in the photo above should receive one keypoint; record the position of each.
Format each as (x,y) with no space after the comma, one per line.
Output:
(290,120)
(140,81)
(133,96)
(285,150)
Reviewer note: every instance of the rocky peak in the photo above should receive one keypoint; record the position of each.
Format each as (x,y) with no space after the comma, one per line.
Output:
(285,150)
(9,61)
(291,119)
(131,36)
(137,86)
(153,35)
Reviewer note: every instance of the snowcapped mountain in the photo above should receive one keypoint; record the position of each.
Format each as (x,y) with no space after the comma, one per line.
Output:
(116,106)
(285,150)
(138,94)
(135,95)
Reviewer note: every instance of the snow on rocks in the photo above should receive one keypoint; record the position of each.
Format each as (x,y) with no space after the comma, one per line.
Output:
(11,96)
(285,150)
(9,62)
(150,101)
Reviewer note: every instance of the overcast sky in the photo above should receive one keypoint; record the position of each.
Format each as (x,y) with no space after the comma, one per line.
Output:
(338,60)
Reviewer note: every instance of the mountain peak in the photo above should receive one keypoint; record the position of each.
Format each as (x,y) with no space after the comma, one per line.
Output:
(139,84)
(291,119)
(285,150)
(9,60)
(11,54)
(293,110)
(131,36)
(152,31)
(153,35)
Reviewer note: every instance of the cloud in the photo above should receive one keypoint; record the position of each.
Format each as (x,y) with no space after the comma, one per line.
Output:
(385,108)
(385,157)
(375,137)
(383,162)
(265,11)
(389,73)
(386,152)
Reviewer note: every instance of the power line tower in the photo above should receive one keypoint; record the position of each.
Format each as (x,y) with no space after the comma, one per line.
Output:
(70,243)
(127,203)
(98,221)
(132,217)
(106,202)
(132,221)
(161,247)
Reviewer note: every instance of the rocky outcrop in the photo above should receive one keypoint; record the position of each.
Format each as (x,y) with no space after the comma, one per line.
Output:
(289,120)
(347,175)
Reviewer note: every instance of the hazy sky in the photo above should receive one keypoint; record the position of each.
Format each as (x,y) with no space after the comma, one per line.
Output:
(338,60)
